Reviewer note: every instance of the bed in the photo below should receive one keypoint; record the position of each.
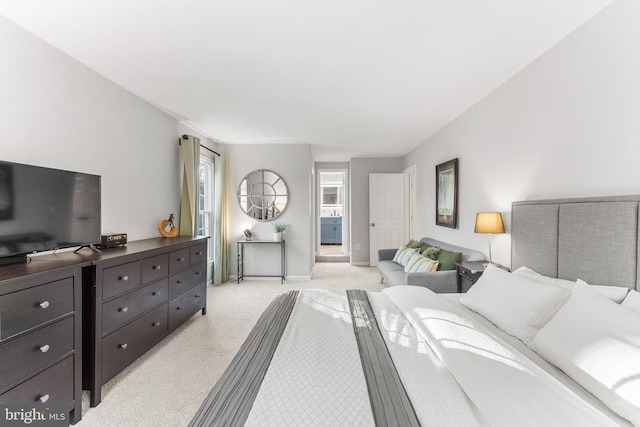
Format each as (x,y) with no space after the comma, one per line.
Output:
(554,343)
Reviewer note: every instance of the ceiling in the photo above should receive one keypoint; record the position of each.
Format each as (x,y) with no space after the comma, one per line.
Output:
(352,78)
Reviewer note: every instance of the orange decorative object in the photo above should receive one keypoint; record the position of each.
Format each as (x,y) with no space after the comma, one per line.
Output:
(166,227)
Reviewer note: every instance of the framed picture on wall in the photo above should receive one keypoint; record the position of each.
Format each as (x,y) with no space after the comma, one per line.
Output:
(447,194)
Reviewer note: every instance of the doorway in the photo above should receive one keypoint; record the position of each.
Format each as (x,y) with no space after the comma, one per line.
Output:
(332,202)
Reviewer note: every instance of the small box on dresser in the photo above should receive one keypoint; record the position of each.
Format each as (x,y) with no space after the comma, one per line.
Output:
(134,297)
(40,335)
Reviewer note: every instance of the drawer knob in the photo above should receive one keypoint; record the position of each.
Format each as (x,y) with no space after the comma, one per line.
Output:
(43,398)
(123,278)
(44,348)
(179,282)
(123,346)
(178,308)
(44,304)
(155,293)
(180,259)
(123,309)
(198,273)
(199,253)
(156,267)
(156,324)
(197,296)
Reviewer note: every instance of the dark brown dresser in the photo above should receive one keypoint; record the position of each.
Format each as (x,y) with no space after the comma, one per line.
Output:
(134,296)
(40,333)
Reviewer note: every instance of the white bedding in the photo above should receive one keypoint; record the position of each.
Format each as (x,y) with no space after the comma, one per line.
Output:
(507,383)
(457,368)
(315,377)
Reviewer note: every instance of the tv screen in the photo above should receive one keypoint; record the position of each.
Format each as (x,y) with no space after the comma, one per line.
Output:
(43,209)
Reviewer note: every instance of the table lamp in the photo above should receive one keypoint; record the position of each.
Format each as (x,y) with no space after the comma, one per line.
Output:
(489,223)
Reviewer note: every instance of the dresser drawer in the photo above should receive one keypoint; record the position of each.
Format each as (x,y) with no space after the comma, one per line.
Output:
(131,341)
(120,278)
(26,309)
(33,351)
(155,268)
(198,253)
(53,386)
(178,260)
(183,306)
(186,279)
(119,311)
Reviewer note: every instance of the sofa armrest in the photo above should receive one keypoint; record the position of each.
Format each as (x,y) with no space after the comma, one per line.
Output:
(386,254)
(438,281)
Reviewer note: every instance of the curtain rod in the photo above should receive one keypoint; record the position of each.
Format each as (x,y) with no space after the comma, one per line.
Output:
(206,148)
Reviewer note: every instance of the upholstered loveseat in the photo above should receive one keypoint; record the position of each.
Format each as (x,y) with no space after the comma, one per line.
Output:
(441,281)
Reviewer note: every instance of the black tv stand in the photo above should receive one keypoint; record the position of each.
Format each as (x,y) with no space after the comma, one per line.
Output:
(92,247)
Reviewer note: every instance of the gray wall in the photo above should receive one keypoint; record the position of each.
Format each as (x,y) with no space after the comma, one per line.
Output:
(565,126)
(360,170)
(55,112)
(293,163)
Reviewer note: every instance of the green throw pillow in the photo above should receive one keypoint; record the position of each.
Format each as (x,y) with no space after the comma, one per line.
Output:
(431,252)
(413,244)
(447,258)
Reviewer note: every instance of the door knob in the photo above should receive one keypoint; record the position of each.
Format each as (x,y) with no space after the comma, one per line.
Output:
(373,224)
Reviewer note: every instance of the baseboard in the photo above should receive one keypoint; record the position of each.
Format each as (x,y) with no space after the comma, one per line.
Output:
(297,278)
(360,264)
(234,278)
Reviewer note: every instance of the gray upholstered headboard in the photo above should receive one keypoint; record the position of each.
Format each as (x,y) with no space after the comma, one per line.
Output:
(593,239)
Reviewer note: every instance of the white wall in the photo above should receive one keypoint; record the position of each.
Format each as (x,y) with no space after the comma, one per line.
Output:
(293,163)
(566,126)
(56,112)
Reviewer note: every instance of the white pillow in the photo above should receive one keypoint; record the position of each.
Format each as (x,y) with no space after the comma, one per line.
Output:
(403,255)
(420,264)
(614,293)
(516,304)
(526,271)
(632,301)
(597,343)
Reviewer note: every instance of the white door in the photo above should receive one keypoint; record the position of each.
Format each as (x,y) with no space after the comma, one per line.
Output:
(387,217)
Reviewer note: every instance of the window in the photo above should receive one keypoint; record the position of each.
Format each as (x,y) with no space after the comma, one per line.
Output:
(205,201)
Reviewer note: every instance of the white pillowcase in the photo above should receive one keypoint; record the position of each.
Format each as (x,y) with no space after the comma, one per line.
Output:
(614,293)
(515,303)
(526,271)
(632,301)
(597,343)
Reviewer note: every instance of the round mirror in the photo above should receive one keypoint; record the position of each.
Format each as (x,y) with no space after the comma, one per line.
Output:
(263,195)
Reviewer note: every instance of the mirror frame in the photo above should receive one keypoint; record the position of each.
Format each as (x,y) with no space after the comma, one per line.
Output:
(263,195)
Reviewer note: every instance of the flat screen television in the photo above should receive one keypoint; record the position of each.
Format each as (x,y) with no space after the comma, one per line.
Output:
(43,209)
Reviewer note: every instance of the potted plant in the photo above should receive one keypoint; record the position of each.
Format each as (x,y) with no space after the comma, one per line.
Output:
(278,230)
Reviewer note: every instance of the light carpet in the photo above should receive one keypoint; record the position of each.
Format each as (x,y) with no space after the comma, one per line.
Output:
(166,385)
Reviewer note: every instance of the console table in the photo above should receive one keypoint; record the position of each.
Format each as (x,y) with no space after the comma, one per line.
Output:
(261,243)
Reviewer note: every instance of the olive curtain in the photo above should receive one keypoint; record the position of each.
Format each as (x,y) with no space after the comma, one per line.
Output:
(222,209)
(190,150)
